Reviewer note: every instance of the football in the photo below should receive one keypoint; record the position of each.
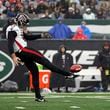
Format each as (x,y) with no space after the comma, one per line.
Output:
(75,68)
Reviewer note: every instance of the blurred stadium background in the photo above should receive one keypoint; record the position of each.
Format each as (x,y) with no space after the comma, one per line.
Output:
(44,15)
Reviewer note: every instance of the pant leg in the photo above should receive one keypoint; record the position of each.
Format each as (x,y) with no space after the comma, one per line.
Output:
(32,67)
(104,80)
(35,77)
(39,58)
(45,62)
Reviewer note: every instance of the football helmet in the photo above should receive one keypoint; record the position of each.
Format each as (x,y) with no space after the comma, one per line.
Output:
(22,19)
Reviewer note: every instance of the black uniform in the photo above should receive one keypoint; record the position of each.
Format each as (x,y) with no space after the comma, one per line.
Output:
(64,61)
(104,63)
(17,44)
(29,56)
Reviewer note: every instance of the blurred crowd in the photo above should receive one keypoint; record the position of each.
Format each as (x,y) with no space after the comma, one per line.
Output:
(53,9)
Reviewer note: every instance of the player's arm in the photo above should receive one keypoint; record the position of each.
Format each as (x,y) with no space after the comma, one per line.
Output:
(11,38)
(31,36)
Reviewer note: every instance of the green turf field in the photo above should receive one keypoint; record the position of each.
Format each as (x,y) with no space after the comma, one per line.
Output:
(61,101)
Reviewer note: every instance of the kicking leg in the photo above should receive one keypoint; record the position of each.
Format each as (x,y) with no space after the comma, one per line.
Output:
(53,68)
(39,58)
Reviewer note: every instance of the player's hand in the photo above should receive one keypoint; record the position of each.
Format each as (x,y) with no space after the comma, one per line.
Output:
(16,60)
(45,35)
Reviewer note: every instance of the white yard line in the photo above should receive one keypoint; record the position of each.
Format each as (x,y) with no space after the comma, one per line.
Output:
(77,107)
(78,93)
(7,97)
(26,97)
(67,101)
(60,95)
(70,96)
(101,93)
(107,100)
(20,108)
(16,94)
(84,97)
(24,101)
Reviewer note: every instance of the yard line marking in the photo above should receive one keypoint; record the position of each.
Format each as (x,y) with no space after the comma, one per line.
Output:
(78,93)
(8,94)
(24,101)
(7,97)
(74,107)
(20,108)
(66,101)
(31,94)
(70,96)
(107,100)
(25,97)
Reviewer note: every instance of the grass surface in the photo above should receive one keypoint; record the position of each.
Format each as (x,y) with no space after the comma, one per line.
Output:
(61,101)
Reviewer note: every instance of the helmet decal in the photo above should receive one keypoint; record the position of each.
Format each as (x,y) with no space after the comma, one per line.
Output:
(22,19)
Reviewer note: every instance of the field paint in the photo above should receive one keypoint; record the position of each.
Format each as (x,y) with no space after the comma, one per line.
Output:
(50,96)
(84,97)
(98,97)
(107,100)
(57,95)
(24,101)
(74,107)
(31,94)
(71,96)
(22,94)
(26,97)
(20,108)
(7,97)
(79,93)
(66,101)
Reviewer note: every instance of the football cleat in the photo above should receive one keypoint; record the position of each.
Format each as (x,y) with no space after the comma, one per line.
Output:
(41,99)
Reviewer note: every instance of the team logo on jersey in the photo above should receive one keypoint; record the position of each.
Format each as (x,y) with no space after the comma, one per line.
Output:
(6,66)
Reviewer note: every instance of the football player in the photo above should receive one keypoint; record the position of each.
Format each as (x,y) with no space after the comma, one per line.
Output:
(17,35)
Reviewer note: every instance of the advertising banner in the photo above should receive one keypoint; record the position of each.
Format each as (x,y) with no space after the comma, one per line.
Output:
(83,52)
(44,79)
